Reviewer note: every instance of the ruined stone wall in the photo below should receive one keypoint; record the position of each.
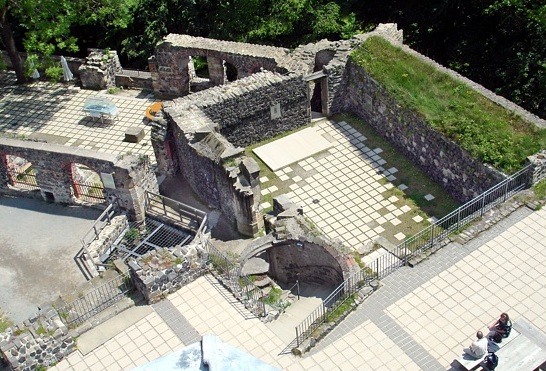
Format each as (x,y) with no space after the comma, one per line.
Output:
(314,264)
(100,69)
(73,63)
(538,163)
(53,164)
(161,272)
(243,109)
(171,73)
(461,175)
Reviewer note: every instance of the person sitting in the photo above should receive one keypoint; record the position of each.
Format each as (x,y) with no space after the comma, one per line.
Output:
(500,329)
(478,348)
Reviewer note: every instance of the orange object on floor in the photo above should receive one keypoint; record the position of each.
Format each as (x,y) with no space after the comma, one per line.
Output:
(153,109)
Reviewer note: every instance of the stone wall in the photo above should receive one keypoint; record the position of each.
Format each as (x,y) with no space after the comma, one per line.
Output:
(461,175)
(306,261)
(100,69)
(207,130)
(53,164)
(538,163)
(42,340)
(161,272)
(246,111)
(170,66)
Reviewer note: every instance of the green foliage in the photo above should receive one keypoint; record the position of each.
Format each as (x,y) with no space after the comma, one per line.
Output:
(54,73)
(5,323)
(346,306)
(480,126)
(132,234)
(540,189)
(273,297)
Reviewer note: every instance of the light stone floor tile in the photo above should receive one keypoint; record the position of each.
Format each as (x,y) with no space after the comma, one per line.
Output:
(429,197)
(418,219)
(399,236)
(405,208)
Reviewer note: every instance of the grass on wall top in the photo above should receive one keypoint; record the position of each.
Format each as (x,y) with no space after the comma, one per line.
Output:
(483,128)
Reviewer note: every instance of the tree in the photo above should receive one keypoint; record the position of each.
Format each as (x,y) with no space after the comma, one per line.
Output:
(45,26)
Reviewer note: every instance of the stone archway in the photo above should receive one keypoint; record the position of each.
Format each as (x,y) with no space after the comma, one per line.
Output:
(87,184)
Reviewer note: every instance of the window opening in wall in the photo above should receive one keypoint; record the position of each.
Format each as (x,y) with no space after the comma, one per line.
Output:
(231,72)
(87,184)
(21,173)
(201,66)
(49,196)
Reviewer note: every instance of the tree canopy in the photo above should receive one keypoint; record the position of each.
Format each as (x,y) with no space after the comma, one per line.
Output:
(498,43)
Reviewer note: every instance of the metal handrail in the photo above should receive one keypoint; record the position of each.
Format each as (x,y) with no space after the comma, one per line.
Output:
(425,239)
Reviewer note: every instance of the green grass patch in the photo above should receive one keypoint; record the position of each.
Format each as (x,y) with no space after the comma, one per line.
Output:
(274,296)
(486,130)
(540,189)
(418,183)
(5,323)
(346,306)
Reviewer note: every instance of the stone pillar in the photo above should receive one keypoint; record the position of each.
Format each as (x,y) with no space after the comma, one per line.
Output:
(538,167)
(173,74)
(100,69)
(246,198)
(217,71)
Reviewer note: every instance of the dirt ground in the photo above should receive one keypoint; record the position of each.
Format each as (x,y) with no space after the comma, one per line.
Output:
(38,243)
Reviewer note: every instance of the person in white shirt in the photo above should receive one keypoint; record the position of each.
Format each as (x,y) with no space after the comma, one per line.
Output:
(478,348)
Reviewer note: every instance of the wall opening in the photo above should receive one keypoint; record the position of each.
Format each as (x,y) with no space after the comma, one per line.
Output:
(87,184)
(21,173)
(49,196)
(231,72)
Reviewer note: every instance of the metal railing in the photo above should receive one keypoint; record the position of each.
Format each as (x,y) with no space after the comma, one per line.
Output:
(190,217)
(228,273)
(413,246)
(93,302)
(89,192)
(135,73)
(25,179)
(98,225)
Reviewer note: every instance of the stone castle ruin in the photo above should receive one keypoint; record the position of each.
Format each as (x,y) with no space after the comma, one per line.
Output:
(202,135)
(251,93)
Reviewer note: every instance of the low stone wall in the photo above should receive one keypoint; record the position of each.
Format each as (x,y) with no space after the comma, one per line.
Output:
(134,82)
(42,340)
(538,161)
(161,272)
(107,237)
(132,175)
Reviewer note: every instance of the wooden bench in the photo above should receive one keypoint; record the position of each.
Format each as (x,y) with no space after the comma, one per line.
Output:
(470,363)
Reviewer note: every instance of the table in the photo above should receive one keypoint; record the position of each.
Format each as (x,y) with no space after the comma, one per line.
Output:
(100,107)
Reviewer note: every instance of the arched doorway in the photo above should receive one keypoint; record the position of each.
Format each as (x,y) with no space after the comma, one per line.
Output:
(87,184)
(21,173)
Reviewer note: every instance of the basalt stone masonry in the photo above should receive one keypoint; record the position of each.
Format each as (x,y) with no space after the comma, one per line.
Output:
(205,132)
(132,175)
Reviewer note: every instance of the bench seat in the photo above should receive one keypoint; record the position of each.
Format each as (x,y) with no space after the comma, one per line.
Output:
(469,363)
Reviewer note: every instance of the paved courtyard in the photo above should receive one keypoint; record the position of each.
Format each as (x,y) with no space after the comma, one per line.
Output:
(54,112)
(402,326)
(344,190)
(420,319)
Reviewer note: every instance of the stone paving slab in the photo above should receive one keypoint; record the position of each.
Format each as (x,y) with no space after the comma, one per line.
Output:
(420,319)
(54,112)
(292,148)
